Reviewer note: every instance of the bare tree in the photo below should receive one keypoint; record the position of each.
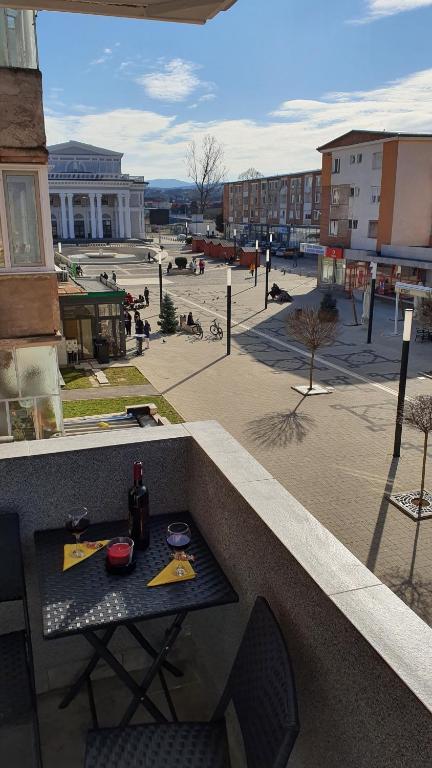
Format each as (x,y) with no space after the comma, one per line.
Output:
(205,167)
(251,173)
(307,327)
(418,414)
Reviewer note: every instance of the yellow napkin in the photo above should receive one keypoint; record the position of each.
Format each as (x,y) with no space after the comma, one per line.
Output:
(69,560)
(168,574)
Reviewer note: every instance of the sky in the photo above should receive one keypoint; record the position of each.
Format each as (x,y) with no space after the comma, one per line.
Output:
(271,79)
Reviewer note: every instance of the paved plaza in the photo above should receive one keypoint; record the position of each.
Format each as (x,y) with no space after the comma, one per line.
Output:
(333,452)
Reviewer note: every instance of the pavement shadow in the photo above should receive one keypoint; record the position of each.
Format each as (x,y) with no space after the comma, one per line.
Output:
(382,515)
(277,430)
(414,591)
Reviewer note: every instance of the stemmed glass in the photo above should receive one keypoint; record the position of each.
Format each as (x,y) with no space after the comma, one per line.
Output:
(178,539)
(77,522)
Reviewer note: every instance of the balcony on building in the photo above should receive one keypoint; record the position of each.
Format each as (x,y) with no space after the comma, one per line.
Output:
(361,657)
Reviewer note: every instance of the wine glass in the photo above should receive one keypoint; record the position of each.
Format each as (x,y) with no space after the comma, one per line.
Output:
(77,522)
(178,539)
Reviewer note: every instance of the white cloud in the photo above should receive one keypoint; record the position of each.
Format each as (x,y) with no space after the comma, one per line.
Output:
(154,145)
(107,50)
(174,82)
(378,9)
(207,97)
(193,106)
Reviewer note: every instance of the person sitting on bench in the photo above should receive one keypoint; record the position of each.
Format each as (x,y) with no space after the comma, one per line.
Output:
(190,320)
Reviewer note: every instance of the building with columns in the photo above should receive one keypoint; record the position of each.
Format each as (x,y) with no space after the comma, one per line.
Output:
(91,199)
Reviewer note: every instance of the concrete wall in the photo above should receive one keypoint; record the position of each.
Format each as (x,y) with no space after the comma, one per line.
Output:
(20,314)
(361,657)
(21,114)
(412,215)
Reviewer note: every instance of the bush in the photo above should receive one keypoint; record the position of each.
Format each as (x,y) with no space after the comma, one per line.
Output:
(328,309)
(181,262)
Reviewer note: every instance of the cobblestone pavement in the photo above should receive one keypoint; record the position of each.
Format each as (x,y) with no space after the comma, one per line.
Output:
(333,452)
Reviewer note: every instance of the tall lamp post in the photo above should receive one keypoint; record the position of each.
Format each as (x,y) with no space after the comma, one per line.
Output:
(402,381)
(160,280)
(372,300)
(256,262)
(270,249)
(208,231)
(267,277)
(228,310)
(186,227)
(235,245)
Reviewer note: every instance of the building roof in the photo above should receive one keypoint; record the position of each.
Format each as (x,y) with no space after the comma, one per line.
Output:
(79,148)
(186,11)
(272,176)
(70,288)
(357,136)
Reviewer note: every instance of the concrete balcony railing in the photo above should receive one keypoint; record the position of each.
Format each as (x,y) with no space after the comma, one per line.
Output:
(362,658)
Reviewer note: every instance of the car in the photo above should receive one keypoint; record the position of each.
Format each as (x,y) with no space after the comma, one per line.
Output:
(181,237)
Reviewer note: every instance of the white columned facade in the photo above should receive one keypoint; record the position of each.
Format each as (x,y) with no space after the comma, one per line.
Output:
(71,217)
(99,214)
(92,215)
(127,217)
(64,227)
(120,215)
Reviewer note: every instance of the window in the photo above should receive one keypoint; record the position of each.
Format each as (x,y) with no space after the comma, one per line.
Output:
(308,216)
(2,254)
(316,215)
(335,195)
(333,227)
(373,229)
(354,191)
(375,194)
(317,197)
(352,159)
(377,160)
(336,165)
(352,223)
(23,218)
(359,157)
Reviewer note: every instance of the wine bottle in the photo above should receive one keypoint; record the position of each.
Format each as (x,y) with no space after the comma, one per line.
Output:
(139,523)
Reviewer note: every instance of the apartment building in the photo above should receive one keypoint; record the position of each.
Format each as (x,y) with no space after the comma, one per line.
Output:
(376,207)
(30,406)
(273,202)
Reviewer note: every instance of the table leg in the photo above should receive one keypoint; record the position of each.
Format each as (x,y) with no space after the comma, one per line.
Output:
(139,637)
(79,682)
(92,703)
(140,696)
(170,639)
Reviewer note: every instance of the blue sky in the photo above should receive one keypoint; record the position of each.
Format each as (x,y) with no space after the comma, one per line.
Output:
(272,79)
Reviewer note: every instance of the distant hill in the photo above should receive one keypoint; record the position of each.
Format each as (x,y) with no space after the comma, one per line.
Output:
(169,183)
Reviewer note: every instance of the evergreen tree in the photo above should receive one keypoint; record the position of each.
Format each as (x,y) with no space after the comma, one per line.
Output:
(168,319)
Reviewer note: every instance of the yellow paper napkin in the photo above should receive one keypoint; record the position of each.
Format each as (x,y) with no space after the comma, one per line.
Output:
(69,560)
(168,574)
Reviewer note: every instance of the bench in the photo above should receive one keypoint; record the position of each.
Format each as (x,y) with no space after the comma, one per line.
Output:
(19,727)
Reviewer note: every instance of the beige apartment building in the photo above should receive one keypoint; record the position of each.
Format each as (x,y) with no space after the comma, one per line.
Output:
(273,203)
(376,207)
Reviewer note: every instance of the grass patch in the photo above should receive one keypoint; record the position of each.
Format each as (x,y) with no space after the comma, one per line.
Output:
(124,376)
(73,408)
(75,379)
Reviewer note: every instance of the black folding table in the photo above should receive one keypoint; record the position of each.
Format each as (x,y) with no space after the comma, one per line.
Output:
(87,598)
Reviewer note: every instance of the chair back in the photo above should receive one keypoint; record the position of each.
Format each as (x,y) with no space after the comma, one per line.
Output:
(262,689)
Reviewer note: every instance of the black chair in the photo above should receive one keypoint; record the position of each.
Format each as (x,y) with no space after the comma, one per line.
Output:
(262,690)
(18,713)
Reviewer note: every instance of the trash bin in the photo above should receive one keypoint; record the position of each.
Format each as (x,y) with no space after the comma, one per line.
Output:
(101,349)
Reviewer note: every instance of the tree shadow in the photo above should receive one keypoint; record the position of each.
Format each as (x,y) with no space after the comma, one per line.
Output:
(382,515)
(277,430)
(414,591)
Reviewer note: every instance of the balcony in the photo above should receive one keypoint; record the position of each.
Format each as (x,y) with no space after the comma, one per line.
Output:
(361,657)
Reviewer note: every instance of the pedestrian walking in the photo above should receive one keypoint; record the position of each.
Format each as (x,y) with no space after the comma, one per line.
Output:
(194,265)
(137,318)
(146,296)
(147,330)
(169,267)
(139,333)
(201,267)
(128,322)
(149,256)
(252,269)
(114,277)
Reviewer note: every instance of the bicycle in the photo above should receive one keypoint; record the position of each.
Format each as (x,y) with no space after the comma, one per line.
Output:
(216,330)
(197,329)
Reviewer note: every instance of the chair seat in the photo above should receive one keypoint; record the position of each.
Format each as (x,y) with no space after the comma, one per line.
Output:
(159,745)
(15,694)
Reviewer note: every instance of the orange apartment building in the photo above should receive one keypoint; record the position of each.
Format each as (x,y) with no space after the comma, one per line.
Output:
(30,406)
(376,207)
(272,203)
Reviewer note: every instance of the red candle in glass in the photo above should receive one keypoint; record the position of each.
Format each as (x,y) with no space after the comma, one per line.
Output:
(119,553)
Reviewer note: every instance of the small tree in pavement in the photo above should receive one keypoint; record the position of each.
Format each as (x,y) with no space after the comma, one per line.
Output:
(307,327)
(168,318)
(418,414)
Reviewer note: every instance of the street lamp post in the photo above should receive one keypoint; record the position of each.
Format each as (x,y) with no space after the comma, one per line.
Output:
(267,278)
(235,245)
(270,250)
(208,231)
(160,281)
(372,300)
(186,227)
(228,311)
(256,262)
(402,381)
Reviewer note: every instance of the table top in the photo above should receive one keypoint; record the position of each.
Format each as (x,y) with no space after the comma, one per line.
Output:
(87,597)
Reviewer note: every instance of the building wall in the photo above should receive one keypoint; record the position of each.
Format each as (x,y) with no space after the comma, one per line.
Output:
(412,219)
(385,224)
(29,305)
(21,114)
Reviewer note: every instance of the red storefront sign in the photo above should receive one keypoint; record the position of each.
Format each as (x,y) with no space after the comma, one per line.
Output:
(334,253)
